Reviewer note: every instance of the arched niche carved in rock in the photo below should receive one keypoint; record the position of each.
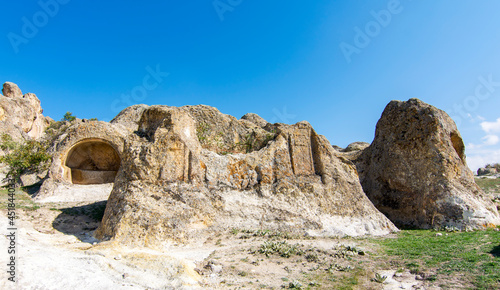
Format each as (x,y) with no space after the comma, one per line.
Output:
(93,161)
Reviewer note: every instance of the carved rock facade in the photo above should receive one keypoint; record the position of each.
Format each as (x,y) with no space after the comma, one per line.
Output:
(170,187)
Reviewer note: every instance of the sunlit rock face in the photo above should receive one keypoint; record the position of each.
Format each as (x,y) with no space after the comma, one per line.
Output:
(193,170)
(83,153)
(21,115)
(181,172)
(416,174)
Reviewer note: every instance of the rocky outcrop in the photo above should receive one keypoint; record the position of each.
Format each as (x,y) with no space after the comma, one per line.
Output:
(225,134)
(356,146)
(129,117)
(416,174)
(172,186)
(21,115)
(256,119)
(11,90)
(353,150)
(486,171)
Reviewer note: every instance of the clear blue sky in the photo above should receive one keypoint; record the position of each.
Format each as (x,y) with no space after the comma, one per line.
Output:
(335,64)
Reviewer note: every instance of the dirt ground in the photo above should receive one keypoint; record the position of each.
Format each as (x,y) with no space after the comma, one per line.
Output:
(57,250)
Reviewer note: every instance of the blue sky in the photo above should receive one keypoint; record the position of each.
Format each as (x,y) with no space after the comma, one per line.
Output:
(335,64)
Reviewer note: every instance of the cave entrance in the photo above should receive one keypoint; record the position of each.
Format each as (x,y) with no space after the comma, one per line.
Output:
(93,162)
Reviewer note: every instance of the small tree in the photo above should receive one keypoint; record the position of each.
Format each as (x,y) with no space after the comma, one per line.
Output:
(22,157)
(494,165)
(68,117)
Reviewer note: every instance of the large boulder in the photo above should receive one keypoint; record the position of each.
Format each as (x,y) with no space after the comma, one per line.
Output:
(11,90)
(21,115)
(130,117)
(416,174)
(356,146)
(256,119)
(486,171)
(173,185)
(353,150)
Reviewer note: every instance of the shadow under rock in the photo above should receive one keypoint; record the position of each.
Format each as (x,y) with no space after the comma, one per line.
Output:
(80,221)
(496,251)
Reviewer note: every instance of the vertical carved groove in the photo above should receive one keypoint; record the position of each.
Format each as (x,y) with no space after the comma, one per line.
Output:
(290,151)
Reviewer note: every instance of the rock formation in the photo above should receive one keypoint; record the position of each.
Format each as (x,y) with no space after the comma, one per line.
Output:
(21,115)
(172,185)
(416,174)
(86,152)
(356,146)
(486,171)
(129,117)
(181,172)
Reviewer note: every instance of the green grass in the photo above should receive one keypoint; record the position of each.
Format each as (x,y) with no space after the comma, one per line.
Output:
(350,280)
(22,200)
(473,256)
(488,184)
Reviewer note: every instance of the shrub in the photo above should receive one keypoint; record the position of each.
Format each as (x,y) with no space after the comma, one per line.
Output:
(283,249)
(68,117)
(379,278)
(29,155)
(494,165)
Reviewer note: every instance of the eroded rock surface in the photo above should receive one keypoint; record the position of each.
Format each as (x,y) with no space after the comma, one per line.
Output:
(172,187)
(21,115)
(86,152)
(356,146)
(415,170)
(486,171)
(130,117)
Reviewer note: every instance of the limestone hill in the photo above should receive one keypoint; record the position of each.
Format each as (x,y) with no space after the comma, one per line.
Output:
(181,172)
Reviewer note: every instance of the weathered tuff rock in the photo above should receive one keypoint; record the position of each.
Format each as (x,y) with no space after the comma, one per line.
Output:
(87,152)
(486,171)
(353,150)
(256,119)
(21,115)
(416,174)
(225,134)
(130,117)
(11,90)
(356,146)
(172,187)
